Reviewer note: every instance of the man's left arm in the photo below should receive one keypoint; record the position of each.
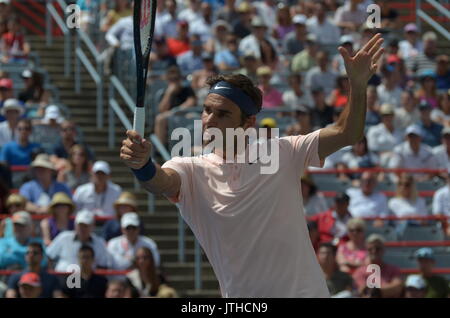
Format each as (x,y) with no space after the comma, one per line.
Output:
(349,128)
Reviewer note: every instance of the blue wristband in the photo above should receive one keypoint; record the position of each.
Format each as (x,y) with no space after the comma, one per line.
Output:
(146,173)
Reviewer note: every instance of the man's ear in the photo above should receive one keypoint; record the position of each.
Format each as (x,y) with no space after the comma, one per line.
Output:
(250,122)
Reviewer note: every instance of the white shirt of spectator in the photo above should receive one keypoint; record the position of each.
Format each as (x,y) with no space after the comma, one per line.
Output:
(291,100)
(316,78)
(121,33)
(6,133)
(401,207)
(437,115)
(316,204)
(159,17)
(380,139)
(202,28)
(441,155)
(168,25)
(65,246)
(266,12)
(362,206)
(404,118)
(441,201)
(344,14)
(124,252)
(405,158)
(189,15)
(326,33)
(102,204)
(250,45)
(392,97)
(407,50)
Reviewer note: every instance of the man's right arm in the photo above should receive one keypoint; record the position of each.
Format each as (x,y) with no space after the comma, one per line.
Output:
(135,153)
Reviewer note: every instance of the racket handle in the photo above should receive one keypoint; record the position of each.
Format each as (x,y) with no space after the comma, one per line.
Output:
(139,121)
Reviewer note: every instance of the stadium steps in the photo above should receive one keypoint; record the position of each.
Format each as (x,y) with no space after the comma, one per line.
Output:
(162,226)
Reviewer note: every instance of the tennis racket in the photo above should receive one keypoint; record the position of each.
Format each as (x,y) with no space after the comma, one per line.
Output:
(143,27)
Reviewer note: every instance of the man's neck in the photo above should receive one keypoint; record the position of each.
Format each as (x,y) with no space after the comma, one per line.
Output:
(45,184)
(23,142)
(86,273)
(12,124)
(100,188)
(329,270)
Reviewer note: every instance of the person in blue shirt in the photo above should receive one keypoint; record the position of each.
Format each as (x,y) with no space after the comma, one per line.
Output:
(442,72)
(431,131)
(13,249)
(41,189)
(228,59)
(18,153)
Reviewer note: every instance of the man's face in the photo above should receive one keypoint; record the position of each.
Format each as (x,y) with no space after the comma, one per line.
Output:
(414,141)
(375,252)
(259,32)
(12,115)
(425,114)
(206,10)
(24,130)
(43,174)
(429,46)
(86,259)
(388,119)
(83,231)
(442,66)
(426,265)
(368,183)
(100,178)
(131,233)
(5,93)
(171,6)
(322,60)
(28,291)
(325,256)
(33,256)
(22,231)
(68,131)
(341,207)
(115,291)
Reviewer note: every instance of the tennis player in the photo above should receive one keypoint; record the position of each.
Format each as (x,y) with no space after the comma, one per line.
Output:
(251,225)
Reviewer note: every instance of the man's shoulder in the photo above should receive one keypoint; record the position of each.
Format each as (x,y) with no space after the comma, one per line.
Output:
(65,236)
(444,191)
(115,241)
(147,241)
(115,187)
(84,187)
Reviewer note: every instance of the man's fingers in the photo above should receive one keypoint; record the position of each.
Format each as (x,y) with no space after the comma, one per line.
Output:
(377,55)
(344,54)
(371,42)
(376,47)
(128,151)
(139,148)
(134,135)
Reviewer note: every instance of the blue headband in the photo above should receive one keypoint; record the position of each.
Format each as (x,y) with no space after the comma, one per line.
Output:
(236,95)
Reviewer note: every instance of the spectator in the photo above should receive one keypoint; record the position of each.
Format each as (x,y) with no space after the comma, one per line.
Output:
(284,23)
(14,203)
(30,286)
(199,77)
(192,12)
(339,95)
(121,10)
(426,59)
(389,92)
(12,110)
(76,170)
(191,61)
(34,93)
(347,42)
(61,208)
(350,16)
(314,235)
(88,10)
(99,195)
(297,96)
(13,249)
(116,289)
(46,131)
(441,200)
(124,204)
(64,248)
(69,138)
(179,44)
(294,41)
(272,98)
(43,186)
(259,44)
(18,153)
(427,92)
(332,224)
(415,287)
(352,254)
(408,113)
(5,9)
(313,201)
(303,126)
(266,9)
(120,34)
(360,157)
(305,59)
(146,278)
(34,257)
(91,284)
(177,94)
(436,286)
(228,58)
(366,202)
(442,73)
(325,31)
(167,26)
(431,131)
(124,247)
(160,59)
(13,44)
(242,27)
(337,281)
(442,152)
(441,115)
(228,12)
(204,25)
(407,202)
(413,154)
(321,114)
(383,137)
(321,75)
(411,45)
(391,281)
(249,67)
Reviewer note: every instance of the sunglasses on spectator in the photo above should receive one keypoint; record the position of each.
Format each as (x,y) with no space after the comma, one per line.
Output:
(405,184)
(33,253)
(24,128)
(375,249)
(68,129)
(356,230)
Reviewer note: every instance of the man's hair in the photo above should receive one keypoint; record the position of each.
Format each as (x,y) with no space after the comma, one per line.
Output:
(26,121)
(242,82)
(86,248)
(38,246)
(330,246)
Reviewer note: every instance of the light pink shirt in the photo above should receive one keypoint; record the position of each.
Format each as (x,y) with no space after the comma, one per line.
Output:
(252,226)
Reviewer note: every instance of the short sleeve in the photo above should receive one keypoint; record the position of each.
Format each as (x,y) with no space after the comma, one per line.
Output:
(305,150)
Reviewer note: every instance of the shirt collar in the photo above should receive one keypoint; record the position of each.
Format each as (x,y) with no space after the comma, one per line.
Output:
(75,238)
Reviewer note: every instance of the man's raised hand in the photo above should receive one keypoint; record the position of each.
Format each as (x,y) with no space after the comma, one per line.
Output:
(135,151)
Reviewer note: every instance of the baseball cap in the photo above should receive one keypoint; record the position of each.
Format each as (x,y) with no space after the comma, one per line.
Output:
(129,219)
(410,27)
(268,122)
(6,83)
(413,129)
(27,74)
(346,39)
(258,22)
(21,217)
(415,281)
(427,73)
(31,279)
(101,166)
(445,131)
(52,112)
(386,109)
(424,252)
(299,19)
(424,105)
(84,217)
(11,104)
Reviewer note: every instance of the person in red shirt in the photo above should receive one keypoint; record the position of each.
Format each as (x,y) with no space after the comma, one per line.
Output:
(180,44)
(332,224)
(14,48)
